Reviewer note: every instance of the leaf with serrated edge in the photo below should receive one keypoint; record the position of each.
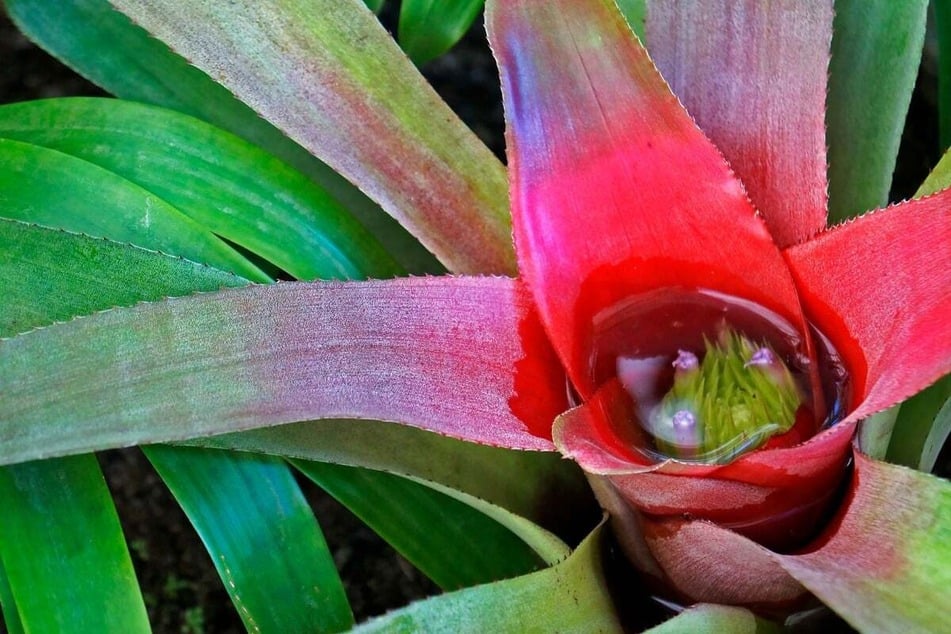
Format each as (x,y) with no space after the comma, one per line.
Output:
(329,75)
(571,596)
(106,47)
(876,49)
(234,189)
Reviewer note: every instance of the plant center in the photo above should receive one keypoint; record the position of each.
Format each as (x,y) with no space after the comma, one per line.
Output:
(711,376)
(729,402)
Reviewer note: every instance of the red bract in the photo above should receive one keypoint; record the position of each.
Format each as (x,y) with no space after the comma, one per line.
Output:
(616,192)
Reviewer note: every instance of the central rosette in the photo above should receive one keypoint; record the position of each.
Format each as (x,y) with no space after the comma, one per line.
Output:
(730,399)
(710,377)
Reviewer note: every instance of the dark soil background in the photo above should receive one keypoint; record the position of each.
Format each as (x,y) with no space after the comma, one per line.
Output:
(182,589)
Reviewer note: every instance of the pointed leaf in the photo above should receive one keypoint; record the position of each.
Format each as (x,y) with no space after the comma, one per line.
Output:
(875,54)
(51,188)
(569,597)
(42,272)
(426,526)
(595,136)
(241,503)
(260,356)
(238,503)
(942,29)
(922,428)
(938,179)
(885,564)
(635,12)
(923,422)
(234,189)
(706,618)
(886,319)
(63,550)
(540,488)
(72,265)
(8,608)
(753,75)
(329,75)
(429,28)
(104,46)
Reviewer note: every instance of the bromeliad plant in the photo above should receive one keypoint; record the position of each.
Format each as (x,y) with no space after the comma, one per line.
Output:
(677,321)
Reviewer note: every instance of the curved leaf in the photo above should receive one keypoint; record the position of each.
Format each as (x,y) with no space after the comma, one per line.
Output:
(753,75)
(888,320)
(43,273)
(647,226)
(8,608)
(923,422)
(48,187)
(885,563)
(942,29)
(265,355)
(569,597)
(526,492)
(541,487)
(223,183)
(63,550)
(107,48)
(876,48)
(238,503)
(429,28)
(708,618)
(922,428)
(328,74)
(450,542)
(241,504)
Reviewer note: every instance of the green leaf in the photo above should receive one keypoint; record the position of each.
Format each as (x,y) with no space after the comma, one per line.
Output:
(429,28)
(101,150)
(264,540)
(8,608)
(48,275)
(569,597)
(329,75)
(635,12)
(374,5)
(54,189)
(884,564)
(876,48)
(104,46)
(450,542)
(223,183)
(50,505)
(938,179)
(238,503)
(90,256)
(875,432)
(942,28)
(540,487)
(63,550)
(707,618)
(923,426)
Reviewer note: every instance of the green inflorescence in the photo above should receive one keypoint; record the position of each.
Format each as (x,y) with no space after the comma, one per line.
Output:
(736,405)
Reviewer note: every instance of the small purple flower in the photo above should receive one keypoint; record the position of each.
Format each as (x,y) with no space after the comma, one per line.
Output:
(686,361)
(763,356)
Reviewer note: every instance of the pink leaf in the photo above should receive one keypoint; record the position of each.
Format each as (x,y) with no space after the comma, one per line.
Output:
(615,191)
(753,74)
(464,357)
(878,287)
